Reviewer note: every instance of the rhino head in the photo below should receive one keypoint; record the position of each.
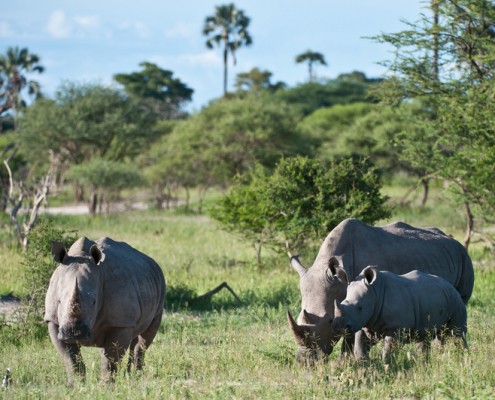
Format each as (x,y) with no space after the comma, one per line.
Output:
(320,286)
(76,296)
(358,307)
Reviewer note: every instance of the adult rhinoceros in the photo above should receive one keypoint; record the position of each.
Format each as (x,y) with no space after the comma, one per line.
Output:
(105,294)
(347,250)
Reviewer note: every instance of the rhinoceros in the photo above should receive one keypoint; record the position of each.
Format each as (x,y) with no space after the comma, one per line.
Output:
(105,294)
(352,246)
(387,305)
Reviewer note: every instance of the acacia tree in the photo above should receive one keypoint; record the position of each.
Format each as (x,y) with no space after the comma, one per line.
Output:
(227,28)
(311,57)
(157,89)
(447,61)
(14,66)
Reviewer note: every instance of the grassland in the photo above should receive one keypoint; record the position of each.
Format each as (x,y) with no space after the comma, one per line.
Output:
(225,350)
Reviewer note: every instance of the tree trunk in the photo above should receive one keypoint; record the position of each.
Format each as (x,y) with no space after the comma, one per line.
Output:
(93,203)
(469,224)
(225,59)
(426,189)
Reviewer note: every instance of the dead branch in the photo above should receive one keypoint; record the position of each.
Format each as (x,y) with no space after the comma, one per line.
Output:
(209,295)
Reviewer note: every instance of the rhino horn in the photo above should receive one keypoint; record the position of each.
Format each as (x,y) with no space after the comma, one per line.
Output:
(75,310)
(300,332)
(296,264)
(308,318)
(337,311)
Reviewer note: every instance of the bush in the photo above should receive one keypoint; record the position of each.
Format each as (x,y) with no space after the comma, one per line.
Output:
(38,269)
(302,200)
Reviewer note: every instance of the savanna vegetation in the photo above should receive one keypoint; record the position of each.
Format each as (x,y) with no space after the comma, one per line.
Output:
(226,188)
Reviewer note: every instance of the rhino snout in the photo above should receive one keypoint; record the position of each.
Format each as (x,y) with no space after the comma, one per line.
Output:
(75,333)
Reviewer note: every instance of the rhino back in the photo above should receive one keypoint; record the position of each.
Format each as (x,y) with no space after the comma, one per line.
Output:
(399,248)
(417,301)
(133,287)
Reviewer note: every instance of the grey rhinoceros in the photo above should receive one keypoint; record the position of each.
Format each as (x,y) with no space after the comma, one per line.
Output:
(417,305)
(347,250)
(106,294)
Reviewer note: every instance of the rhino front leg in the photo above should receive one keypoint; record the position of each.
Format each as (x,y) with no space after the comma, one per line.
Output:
(387,347)
(70,354)
(116,344)
(362,346)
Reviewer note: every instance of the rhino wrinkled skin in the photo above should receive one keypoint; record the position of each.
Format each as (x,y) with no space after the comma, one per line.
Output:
(104,294)
(420,305)
(347,250)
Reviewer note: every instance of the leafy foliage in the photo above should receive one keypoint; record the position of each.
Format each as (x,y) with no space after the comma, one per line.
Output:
(157,89)
(302,200)
(311,96)
(448,63)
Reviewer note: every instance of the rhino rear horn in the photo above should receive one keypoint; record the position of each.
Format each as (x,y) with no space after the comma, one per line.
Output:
(96,254)
(299,331)
(59,252)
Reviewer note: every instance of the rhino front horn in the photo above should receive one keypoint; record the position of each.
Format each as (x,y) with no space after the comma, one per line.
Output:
(298,331)
(337,310)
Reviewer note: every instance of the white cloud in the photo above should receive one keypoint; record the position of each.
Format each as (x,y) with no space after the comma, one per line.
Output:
(205,58)
(58,26)
(5,30)
(181,30)
(89,23)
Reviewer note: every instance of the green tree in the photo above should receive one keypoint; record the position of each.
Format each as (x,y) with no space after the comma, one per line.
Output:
(312,58)
(302,200)
(311,96)
(447,61)
(157,89)
(105,180)
(14,66)
(256,80)
(227,138)
(83,123)
(227,28)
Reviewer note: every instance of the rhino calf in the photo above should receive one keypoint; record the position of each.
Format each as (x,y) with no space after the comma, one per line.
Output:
(384,304)
(104,294)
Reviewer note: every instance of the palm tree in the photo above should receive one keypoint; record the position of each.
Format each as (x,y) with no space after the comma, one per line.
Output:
(13,67)
(311,57)
(227,28)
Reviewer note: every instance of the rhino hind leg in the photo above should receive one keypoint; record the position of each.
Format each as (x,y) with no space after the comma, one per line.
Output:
(141,343)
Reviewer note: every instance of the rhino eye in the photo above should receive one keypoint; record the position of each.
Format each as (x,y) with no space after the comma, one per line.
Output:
(359,308)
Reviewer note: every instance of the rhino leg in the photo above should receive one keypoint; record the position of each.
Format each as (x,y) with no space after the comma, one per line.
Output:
(387,347)
(362,346)
(116,344)
(347,346)
(141,343)
(70,354)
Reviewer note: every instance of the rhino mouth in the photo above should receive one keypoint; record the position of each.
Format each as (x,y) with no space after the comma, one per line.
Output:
(71,334)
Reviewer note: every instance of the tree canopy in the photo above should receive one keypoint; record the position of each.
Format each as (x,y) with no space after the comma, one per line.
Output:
(157,89)
(14,67)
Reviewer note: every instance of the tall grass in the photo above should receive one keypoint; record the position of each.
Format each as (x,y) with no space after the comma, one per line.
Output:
(229,350)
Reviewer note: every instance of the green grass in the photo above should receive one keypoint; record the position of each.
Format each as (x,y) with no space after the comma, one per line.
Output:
(225,350)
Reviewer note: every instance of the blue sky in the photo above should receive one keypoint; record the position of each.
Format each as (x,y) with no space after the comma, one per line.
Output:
(90,41)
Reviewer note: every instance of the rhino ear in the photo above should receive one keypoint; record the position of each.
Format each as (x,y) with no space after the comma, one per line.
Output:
(96,254)
(370,274)
(59,252)
(337,270)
